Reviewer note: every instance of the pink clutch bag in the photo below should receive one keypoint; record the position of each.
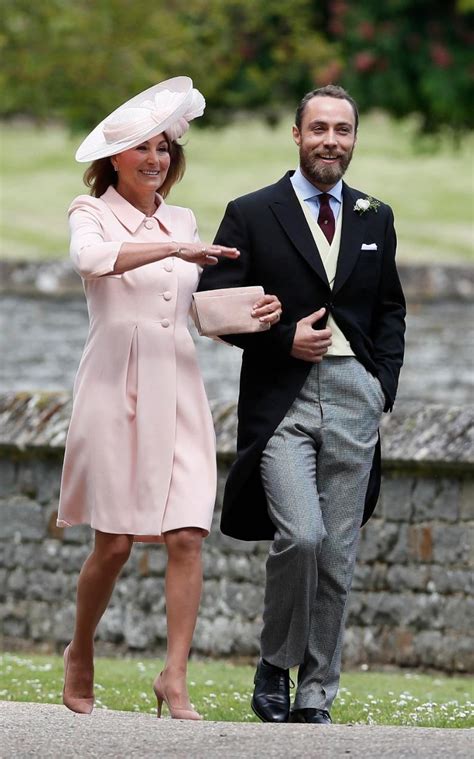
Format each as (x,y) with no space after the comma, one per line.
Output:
(227,311)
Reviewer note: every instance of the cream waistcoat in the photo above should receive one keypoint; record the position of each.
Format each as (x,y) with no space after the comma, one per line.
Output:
(329,254)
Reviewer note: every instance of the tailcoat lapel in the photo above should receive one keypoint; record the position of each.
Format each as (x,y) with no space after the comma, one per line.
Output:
(290,216)
(352,237)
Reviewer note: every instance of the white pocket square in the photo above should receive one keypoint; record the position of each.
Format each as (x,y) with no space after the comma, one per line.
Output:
(368,246)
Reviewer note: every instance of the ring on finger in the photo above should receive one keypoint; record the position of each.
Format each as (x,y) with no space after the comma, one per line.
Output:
(204,250)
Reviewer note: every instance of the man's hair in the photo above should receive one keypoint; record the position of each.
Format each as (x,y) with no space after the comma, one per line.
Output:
(331,91)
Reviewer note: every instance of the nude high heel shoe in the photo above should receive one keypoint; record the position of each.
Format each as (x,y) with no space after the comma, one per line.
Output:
(79,705)
(176,712)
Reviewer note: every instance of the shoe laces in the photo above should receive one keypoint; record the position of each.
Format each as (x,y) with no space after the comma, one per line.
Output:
(279,679)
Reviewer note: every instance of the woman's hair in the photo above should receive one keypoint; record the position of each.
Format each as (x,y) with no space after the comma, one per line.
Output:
(101,174)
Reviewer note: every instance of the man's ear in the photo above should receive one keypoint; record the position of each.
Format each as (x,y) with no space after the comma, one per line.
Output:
(296,135)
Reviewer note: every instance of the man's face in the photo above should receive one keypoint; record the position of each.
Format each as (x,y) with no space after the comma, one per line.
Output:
(326,140)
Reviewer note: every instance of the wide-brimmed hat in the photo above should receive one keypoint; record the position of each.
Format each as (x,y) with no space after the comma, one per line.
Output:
(168,107)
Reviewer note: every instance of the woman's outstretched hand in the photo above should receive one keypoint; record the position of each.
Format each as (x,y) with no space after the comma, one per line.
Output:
(267,310)
(202,254)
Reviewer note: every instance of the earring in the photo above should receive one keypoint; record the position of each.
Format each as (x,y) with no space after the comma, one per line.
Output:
(115,168)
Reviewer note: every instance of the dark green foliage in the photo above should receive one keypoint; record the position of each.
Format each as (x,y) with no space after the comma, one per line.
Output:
(78,59)
(409,56)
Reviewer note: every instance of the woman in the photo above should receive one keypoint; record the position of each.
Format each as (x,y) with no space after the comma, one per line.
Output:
(140,454)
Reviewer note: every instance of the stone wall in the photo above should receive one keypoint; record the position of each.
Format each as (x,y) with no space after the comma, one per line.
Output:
(420,281)
(412,595)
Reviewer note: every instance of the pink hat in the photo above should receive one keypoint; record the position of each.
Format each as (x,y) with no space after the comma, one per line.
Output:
(166,107)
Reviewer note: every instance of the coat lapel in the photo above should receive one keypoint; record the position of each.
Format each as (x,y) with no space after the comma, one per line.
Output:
(290,216)
(352,237)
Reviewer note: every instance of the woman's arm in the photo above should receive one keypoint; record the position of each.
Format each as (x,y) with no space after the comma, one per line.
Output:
(134,254)
(94,257)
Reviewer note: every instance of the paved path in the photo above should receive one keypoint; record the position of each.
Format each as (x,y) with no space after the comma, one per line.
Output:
(50,731)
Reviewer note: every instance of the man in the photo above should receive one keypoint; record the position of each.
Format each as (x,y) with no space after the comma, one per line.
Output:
(312,392)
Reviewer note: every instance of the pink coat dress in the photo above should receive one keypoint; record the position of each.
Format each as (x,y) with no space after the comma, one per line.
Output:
(140,451)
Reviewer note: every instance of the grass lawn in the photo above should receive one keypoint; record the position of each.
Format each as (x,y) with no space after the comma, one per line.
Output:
(429,189)
(222,691)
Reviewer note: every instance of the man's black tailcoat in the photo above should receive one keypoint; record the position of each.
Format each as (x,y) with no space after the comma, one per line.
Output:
(277,250)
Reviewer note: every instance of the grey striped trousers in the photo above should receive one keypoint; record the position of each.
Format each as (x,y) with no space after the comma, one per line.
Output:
(315,471)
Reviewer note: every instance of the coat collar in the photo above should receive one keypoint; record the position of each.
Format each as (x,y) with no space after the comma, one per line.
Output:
(352,236)
(289,213)
(131,217)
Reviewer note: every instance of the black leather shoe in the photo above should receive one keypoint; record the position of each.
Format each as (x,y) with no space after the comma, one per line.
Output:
(271,696)
(313,716)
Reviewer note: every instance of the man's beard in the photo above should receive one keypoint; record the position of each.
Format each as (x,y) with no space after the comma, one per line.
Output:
(320,173)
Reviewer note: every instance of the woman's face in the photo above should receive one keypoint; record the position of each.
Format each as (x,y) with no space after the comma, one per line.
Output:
(144,167)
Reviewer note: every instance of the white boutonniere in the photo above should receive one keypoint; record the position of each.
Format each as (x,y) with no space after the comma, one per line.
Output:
(366,204)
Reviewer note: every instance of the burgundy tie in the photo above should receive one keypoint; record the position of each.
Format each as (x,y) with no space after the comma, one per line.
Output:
(326,217)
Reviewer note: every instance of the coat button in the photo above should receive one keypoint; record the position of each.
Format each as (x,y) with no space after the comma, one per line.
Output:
(165,323)
(149,224)
(168,266)
(167,295)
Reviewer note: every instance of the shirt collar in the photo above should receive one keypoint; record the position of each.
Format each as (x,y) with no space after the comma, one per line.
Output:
(131,217)
(306,190)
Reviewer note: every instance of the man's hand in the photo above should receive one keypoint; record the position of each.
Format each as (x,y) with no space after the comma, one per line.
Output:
(311,344)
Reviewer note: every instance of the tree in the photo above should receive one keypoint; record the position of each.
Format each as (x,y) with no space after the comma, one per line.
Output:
(408,56)
(78,59)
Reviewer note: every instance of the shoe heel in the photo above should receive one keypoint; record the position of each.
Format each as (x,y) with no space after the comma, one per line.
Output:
(159,696)
(158,706)
(175,713)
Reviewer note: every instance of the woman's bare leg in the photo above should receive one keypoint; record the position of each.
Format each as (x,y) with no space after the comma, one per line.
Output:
(183,594)
(94,588)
